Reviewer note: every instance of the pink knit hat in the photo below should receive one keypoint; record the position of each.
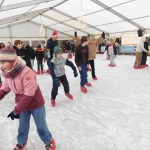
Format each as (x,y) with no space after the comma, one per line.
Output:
(55,33)
(7,54)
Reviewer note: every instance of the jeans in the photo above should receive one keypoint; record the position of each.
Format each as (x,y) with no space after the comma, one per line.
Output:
(42,129)
(48,62)
(83,74)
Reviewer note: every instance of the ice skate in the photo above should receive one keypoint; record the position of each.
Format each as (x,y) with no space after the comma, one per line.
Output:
(83,89)
(53,102)
(51,146)
(69,96)
(95,78)
(88,84)
(18,147)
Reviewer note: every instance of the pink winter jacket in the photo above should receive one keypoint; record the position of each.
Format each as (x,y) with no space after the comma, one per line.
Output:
(26,89)
(110,50)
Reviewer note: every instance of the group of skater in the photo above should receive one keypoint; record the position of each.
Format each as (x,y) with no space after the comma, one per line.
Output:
(20,78)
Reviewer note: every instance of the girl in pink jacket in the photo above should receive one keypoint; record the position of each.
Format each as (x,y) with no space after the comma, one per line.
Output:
(111,53)
(21,80)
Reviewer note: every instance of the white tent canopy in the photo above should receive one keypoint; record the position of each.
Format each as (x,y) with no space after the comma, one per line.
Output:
(21,18)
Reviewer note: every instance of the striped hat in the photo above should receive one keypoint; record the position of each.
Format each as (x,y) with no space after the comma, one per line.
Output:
(7,54)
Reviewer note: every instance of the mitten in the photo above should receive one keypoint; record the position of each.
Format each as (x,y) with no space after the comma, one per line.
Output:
(57,82)
(12,115)
(75,74)
(75,34)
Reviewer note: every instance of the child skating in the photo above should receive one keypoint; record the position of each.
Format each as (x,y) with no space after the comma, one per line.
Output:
(111,53)
(21,80)
(57,71)
(81,60)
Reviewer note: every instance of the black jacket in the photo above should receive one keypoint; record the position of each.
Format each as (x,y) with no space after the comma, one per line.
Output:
(145,46)
(28,52)
(39,54)
(20,52)
(81,55)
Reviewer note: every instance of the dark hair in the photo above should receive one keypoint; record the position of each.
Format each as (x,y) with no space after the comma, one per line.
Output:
(84,39)
(39,46)
(2,45)
(17,42)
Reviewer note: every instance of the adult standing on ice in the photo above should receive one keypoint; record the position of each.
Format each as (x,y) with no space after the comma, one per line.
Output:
(138,53)
(51,43)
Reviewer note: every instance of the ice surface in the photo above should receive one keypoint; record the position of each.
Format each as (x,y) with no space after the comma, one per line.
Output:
(113,115)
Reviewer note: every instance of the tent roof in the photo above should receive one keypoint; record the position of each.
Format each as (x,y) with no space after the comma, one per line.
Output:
(101,15)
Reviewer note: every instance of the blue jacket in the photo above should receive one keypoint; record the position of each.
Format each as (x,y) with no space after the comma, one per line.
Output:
(68,46)
(50,45)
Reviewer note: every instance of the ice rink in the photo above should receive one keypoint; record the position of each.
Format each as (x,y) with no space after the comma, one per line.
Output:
(113,115)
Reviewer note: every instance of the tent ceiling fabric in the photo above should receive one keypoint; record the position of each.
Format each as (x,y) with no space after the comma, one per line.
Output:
(109,16)
(10,2)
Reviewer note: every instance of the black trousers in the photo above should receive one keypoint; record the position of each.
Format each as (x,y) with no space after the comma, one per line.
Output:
(39,65)
(144,58)
(65,84)
(91,62)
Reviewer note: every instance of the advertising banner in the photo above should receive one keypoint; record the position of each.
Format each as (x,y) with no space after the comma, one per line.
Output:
(126,49)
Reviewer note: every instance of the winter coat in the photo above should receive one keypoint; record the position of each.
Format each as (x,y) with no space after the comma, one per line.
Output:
(68,46)
(20,52)
(72,46)
(81,55)
(28,52)
(57,66)
(110,50)
(145,46)
(140,46)
(26,89)
(50,45)
(92,47)
(39,54)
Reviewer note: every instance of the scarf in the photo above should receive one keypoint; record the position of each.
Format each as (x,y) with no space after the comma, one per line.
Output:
(17,68)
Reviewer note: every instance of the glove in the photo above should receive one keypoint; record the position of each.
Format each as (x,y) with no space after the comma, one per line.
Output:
(75,74)
(75,34)
(12,115)
(57,82)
